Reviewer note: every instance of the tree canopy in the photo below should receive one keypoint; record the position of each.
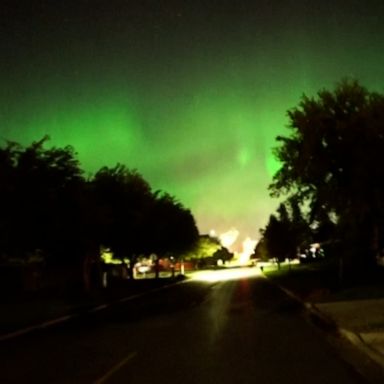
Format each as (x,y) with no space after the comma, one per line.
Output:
(331,161)
(47,205)
(205,247)
(35,189)
(177,233)
(286,232)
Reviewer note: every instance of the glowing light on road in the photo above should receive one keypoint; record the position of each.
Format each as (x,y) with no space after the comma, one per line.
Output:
(225,274)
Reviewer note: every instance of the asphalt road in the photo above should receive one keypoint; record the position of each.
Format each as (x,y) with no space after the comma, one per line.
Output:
(236,331)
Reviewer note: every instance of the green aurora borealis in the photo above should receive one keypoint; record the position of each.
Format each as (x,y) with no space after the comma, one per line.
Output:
(190,94)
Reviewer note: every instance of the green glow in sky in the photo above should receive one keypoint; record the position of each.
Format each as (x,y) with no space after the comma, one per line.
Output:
(191,97)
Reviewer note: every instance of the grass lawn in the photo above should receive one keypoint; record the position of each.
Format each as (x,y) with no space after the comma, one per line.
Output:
(320,282)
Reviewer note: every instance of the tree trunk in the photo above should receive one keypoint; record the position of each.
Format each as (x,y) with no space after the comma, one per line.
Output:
(131,268)
(87,274)
(157,268)
(91,263)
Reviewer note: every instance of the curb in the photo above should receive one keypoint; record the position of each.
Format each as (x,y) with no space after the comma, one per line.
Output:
(45,324)
(320,319)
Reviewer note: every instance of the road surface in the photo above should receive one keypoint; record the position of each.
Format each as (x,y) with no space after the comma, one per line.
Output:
(243,330)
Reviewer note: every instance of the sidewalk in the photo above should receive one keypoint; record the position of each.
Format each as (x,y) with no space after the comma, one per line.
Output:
(360,321)
(355,312)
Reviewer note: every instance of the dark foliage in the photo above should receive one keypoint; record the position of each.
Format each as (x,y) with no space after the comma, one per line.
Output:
(331,163)
(49,211)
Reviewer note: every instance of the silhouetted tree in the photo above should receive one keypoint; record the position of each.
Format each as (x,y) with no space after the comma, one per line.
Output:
(300,231)
(204,249)
(8,161)
(124,198)
(275,236)
(47,207)
(261,251)
(35,182)
(222,254)
(171,228)
(286,231)
(330,161)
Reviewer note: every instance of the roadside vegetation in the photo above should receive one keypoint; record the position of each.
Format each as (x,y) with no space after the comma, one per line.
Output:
(58,227)
(331,191)
(320,282)
(54,221)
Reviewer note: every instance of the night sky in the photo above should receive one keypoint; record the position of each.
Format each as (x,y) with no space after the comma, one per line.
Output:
(190,93)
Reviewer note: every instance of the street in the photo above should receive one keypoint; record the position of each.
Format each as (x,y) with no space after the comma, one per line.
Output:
(243,330)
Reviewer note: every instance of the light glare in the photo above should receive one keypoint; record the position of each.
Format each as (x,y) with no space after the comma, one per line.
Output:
(249,246)
(228,238)
(225,274)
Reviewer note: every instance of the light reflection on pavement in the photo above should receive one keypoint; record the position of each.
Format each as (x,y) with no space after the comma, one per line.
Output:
(225,274)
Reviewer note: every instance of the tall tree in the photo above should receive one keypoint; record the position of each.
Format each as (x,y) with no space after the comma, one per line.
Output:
(8,160)
(205,248)
(124,198)
(171,228)
(276,237)
(35,182)
(286,231)
(330,160)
